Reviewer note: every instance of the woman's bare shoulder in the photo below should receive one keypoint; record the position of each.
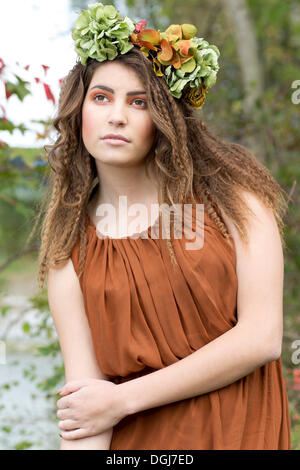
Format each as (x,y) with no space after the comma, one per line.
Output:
(258,212)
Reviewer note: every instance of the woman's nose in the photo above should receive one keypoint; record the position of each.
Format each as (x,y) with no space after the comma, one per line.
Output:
(117,115)
(117,120)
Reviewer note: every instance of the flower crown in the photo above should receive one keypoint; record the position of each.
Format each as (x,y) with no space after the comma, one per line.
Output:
(188,64)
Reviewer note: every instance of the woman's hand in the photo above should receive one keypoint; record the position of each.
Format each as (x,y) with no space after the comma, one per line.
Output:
(89,407)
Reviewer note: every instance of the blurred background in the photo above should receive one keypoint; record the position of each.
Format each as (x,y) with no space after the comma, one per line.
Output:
(256,102)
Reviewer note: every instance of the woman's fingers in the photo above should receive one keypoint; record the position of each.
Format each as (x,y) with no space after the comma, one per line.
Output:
(76,434)
(66,413)
(64,402)
(68,425)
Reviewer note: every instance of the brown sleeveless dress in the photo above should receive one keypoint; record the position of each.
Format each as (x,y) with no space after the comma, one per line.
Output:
(144,316)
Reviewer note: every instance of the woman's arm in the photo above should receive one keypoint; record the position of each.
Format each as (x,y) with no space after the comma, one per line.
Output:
(71,323)
(255,340)
(221,362)
(99,442)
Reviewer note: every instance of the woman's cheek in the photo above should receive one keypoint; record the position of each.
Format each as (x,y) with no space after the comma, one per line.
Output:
(147,131)
(87,124)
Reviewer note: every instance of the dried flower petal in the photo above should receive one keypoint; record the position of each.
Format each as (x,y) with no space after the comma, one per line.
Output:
(195,97)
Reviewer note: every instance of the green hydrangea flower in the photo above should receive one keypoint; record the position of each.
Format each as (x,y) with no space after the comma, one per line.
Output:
(205,71)
(100,33)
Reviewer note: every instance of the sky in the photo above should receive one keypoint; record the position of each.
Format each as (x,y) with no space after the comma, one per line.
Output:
(34,32)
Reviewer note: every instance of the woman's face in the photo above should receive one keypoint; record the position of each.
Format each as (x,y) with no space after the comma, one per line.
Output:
(116,103)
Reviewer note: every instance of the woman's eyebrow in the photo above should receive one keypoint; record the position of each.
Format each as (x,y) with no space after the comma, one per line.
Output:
(112,91)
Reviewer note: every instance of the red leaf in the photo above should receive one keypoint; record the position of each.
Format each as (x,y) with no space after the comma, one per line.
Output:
(7,92)
(4,113)
(2,65)
(45,67)
(27,67)
(37,79)
(48,92)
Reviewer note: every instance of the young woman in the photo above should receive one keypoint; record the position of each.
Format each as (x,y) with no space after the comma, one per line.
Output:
(164,347)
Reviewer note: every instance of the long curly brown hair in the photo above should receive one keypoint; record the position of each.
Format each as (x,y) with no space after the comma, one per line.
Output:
(190,161)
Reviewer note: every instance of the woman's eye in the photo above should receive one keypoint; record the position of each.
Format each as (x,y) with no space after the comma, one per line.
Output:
(143,101)
(103,96)
(99,95)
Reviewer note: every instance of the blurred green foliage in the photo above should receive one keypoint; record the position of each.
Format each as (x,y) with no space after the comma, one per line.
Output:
(22,173)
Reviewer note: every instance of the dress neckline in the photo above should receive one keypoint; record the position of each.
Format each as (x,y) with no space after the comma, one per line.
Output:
(134,236)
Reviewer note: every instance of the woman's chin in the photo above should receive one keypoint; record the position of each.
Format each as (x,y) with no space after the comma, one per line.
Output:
(118,160)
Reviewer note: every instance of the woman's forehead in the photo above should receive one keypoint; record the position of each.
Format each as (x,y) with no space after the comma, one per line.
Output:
(110,73)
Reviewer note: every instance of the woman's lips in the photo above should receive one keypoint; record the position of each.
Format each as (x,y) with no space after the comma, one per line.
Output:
(115,141)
